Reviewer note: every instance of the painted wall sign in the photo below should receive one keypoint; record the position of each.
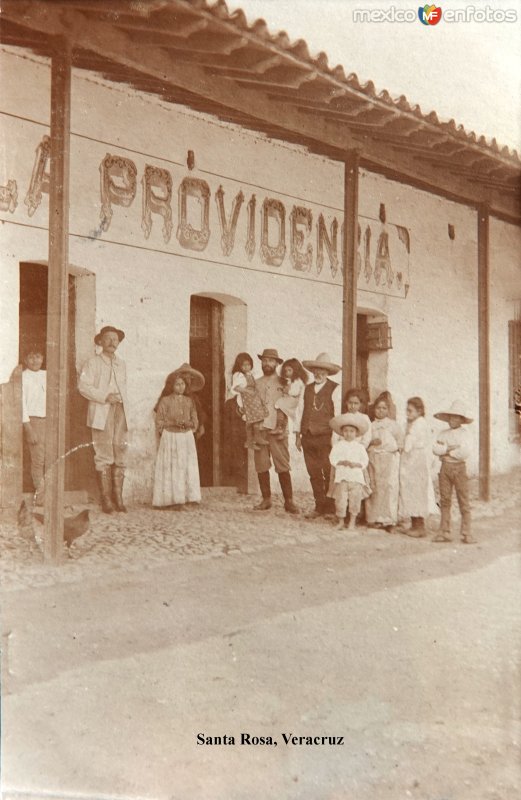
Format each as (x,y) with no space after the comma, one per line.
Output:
(213,219)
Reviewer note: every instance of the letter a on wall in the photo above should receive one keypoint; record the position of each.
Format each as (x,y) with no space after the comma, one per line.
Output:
(40,176)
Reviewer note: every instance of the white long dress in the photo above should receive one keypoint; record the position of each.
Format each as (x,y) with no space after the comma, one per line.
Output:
(384,467)
(176,479)
(416,489)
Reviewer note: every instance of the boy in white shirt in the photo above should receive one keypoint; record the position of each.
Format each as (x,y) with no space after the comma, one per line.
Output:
(34,382)
(453,447)
(349,457)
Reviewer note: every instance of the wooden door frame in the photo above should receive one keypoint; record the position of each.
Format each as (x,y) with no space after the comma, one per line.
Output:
(85,329)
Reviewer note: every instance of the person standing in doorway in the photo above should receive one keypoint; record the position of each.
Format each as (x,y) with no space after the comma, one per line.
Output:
(270,389)
(103,382)
(34,382)
(320,403)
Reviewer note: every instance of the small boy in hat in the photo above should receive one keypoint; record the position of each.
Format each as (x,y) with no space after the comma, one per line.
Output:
(453,447)
(350,459)
(103,381)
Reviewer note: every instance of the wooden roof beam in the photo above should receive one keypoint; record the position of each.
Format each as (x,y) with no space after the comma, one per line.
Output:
(180,31)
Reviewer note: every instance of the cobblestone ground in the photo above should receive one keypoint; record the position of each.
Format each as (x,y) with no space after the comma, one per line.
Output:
(223,525)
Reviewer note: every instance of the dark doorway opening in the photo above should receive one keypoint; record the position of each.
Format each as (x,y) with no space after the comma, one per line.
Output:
(79,469)
(207,356)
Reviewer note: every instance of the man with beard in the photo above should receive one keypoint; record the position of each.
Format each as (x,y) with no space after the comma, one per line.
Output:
(270,389)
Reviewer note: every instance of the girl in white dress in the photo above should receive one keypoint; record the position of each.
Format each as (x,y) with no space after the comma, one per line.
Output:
(384,465)
(416,490)
(176,480)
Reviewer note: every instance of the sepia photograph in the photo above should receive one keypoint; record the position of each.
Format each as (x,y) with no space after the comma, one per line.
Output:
(260,400)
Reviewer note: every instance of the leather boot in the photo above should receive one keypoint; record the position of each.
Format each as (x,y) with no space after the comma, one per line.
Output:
(287,491)
(105,486)
(264,485)
(118,475)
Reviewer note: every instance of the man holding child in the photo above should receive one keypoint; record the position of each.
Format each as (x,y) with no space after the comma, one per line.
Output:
(270,389)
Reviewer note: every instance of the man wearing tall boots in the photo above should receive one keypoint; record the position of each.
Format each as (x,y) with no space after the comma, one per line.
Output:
(319,404)
(270,389)
(103,381)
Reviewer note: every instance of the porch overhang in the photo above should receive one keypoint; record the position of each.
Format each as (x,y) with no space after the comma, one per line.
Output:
(189,52)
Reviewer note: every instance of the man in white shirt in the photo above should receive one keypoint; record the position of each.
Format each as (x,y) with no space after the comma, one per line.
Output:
(34,381)
(319,403)
(103,381)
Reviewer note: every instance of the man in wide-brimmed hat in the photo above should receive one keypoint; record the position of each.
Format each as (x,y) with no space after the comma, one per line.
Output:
(103,381)
(270,389)
(320,403)
(453,447)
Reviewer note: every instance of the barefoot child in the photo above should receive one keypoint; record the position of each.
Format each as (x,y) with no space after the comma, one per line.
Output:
(349,457)
(176,478)
(294,379)
(249,400)
(453,448)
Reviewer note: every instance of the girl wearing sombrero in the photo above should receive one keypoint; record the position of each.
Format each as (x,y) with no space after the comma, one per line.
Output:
(176,479)
(453,447)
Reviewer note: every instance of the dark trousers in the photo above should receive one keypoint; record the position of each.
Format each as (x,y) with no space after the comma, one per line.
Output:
(454,475)
(316,455)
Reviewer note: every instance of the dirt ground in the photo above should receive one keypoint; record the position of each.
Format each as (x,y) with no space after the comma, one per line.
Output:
(220,621)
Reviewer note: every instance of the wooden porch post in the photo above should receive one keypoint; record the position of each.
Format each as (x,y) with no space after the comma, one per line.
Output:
(484,351)
(349,250)
(57,308)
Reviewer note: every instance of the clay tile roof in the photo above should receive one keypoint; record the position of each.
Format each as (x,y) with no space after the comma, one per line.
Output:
(300,50)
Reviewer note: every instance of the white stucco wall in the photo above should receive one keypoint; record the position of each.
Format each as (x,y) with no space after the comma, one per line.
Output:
(144,285)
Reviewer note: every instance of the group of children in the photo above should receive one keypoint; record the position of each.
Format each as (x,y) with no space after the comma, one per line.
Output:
(373,462)
(391,468)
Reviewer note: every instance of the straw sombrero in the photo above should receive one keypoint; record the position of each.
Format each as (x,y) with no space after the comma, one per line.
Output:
(357,421)
(196,378)
(322,361)
(457,409)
